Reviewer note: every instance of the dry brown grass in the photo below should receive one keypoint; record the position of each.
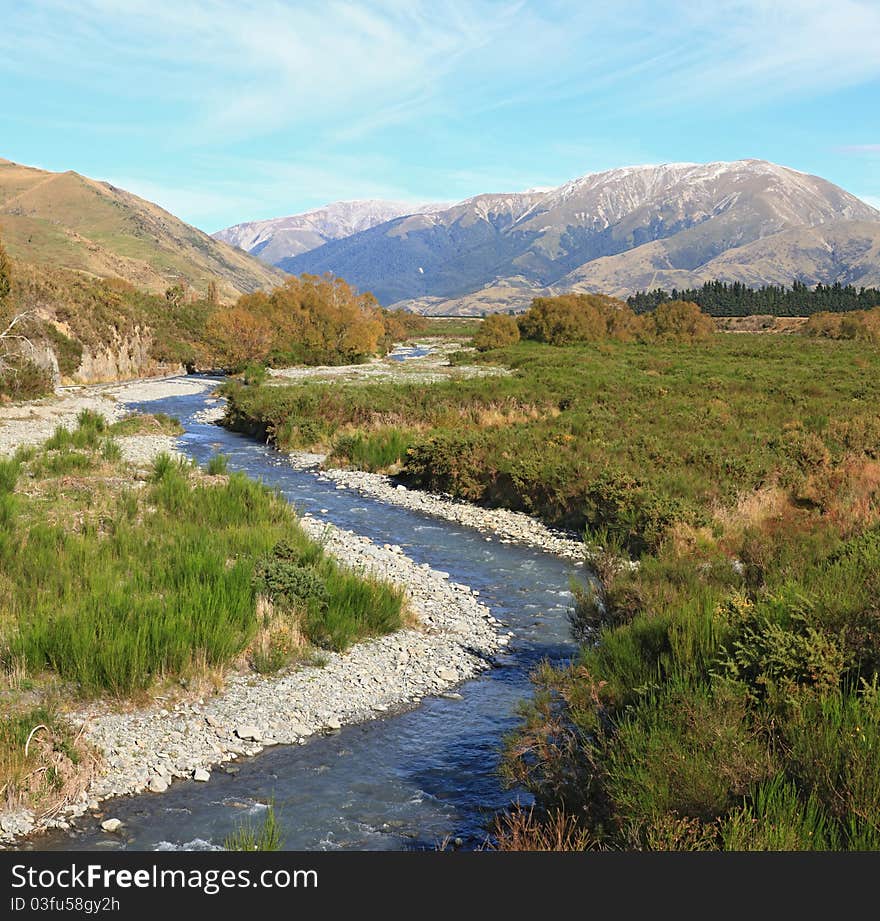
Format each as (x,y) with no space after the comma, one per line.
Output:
(522,830)
(760,323)
(753,510)
(46,768)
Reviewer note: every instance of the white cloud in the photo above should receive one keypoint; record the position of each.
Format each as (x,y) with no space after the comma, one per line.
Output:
(245,68)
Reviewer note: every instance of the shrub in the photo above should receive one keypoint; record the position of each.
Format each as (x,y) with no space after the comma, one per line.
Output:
(679,321)
(372,451)
(863,325)
(573,318)
(496,332)
(23,380)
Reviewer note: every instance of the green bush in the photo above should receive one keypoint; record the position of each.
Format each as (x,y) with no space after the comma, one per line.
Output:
(372,451)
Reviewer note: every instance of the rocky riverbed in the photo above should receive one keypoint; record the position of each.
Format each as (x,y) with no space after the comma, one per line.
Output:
(34,421)
(453,637)
(497,524)
(428,368)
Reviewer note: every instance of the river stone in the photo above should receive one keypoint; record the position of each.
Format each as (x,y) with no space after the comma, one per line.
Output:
(333,723)
(157,784)
(249,733)
(447,674)
(111,825)
(201,775)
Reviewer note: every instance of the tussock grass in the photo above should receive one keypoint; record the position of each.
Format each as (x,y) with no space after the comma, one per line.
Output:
(40,757)
(147,424)
(124,587)
(379,451)
(266,836)
(217,465)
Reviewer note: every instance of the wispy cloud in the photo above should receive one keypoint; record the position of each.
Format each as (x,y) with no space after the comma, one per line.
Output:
(247,68)
(332,91)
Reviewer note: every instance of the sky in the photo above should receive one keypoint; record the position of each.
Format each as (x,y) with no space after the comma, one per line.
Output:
(225,111)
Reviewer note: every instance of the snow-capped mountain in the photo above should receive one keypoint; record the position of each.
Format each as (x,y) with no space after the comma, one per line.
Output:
(616,231)
(282,237)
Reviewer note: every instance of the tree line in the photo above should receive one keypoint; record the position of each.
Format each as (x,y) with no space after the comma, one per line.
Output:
(723,299)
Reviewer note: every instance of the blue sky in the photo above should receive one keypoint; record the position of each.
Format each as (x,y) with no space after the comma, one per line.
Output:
(231,110)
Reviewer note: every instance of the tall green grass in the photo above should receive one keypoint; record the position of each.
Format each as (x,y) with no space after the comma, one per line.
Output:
(373,451)
(266,836)
(163,580)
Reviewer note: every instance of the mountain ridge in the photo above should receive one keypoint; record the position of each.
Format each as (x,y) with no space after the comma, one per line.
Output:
(615,231)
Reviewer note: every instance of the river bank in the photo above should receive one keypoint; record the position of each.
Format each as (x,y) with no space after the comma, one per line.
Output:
(452,637)
(497,524)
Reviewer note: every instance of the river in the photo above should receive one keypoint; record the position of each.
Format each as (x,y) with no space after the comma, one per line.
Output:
(411,780)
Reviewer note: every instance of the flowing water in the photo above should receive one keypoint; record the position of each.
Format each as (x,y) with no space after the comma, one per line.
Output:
(411,780)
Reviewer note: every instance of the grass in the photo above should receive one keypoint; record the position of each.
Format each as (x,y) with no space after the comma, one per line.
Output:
(217,465)
(630,437)
(39,756)
(112,589)
(264,837)
(451,327)
(381,451)
(147,424)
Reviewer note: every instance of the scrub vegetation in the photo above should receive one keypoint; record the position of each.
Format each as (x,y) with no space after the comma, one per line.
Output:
(726,692)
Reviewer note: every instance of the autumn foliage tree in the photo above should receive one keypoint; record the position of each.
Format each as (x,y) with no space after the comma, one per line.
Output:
(306,320)
(570,318)
(680,321)
(496,332)
(237,336)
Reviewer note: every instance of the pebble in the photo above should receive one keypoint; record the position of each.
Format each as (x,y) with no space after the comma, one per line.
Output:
(201,775)
(111,825)
(371,678)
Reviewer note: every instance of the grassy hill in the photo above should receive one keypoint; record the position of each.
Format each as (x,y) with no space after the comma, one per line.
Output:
(70,221)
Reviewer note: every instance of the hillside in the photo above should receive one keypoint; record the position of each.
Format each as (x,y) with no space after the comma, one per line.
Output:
(65,220)
(615,231)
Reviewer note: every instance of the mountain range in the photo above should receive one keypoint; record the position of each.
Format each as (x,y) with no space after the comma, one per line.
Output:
(70,221)
(618,231)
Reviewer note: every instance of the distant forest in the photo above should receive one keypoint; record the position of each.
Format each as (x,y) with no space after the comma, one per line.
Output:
(738,300)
